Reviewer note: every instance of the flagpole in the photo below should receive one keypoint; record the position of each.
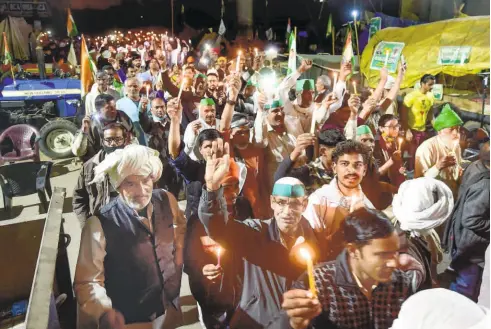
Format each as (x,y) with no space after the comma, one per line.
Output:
(356,37)
(333,36)
(172,14)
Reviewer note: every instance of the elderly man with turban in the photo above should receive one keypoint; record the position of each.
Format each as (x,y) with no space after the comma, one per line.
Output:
(422,205)
(130,259)
(260,248)
(440,156)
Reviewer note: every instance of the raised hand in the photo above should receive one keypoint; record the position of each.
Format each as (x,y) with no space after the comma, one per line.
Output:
(354,103)
(86,124)
(212,271)
(174,109)
(305,66)
(345,70)
(329,100)
(217,164)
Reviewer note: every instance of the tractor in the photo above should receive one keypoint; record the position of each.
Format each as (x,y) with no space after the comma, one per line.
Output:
(50,105)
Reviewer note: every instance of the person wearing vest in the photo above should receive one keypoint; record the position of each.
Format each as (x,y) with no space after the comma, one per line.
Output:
(129,266)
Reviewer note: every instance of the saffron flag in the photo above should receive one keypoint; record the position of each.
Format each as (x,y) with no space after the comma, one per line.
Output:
(7,57)
(71,28)
(348,55)
(86,73)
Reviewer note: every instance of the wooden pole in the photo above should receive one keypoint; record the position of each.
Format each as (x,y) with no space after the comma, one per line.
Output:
(333,36)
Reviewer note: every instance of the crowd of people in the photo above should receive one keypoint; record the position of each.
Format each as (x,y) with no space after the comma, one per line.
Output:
(308,205)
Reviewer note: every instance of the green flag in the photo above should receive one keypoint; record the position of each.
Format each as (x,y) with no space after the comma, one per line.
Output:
(329,26)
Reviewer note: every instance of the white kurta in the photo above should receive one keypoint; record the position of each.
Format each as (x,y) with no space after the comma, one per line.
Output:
(427,156)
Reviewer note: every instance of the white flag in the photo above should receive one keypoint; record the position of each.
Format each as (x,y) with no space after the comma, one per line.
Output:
(222,29)
(72,58)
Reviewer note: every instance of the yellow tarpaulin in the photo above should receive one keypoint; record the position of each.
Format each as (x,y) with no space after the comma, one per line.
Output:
(423,44)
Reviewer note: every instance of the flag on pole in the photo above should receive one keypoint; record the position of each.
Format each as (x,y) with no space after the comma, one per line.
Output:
(86,73)
(288,32)
(72,58)
(348,54)
(7,57)
(71,28)
(222,29)
(292,57)
(329,26)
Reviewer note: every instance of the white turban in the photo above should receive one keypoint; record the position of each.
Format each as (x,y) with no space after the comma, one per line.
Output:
(132,160)
(441,309)
(422,204)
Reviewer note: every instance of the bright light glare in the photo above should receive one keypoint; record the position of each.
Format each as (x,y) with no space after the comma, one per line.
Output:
(305,253)
(354,13)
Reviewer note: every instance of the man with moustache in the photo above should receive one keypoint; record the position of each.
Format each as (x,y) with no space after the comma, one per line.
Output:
(215,91)
(329,205)
(130,260)
(206,120)
(131,105)
(157,128)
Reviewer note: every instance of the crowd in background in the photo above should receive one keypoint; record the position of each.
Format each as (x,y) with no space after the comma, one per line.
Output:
(277,170)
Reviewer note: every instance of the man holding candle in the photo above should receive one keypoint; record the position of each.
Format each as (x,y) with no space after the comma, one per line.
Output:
(388,150)
(364,287)
(440,156)
(261,247)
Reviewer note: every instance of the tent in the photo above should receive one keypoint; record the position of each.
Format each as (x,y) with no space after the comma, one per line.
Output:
(17,31)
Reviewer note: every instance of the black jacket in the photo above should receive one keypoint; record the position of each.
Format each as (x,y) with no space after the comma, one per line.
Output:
(268,271)
(467,232)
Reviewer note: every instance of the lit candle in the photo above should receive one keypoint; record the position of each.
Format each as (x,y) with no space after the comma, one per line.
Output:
(312,125)
(237,65)
(335,80)
(148,90)
(219,253)
(400,140)
(256,51)
(183,81)
(386,58)
(310,270)
(354,87)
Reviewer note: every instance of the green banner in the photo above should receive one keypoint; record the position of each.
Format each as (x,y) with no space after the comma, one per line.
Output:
(387,54)
(454,55)
(375,26)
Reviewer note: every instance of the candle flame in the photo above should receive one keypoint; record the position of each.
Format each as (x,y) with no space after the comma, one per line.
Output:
(305,254)
(219,251)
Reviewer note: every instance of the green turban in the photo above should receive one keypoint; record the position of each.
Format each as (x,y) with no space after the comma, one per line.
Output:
(207,102)
(275,104)
(362,130)
(306,84)
(289,187)
(447,119)
(200,75)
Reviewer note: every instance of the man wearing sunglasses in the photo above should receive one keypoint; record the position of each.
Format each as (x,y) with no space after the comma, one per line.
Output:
(88,199)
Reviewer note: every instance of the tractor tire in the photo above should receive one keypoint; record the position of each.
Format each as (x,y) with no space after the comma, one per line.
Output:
(57,137)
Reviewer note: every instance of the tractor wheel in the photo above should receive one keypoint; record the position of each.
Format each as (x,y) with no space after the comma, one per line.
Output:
(57,137)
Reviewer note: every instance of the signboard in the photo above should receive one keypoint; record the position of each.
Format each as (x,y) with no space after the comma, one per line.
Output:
(375,26)
(438,91)
(387,51)
(25,8)
(454,55)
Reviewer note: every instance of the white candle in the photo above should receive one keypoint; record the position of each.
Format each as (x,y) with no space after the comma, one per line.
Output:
(237,65)
(312,125)
(256,51)
(354,87)
(148,91)
(219,252)
(335,80)
(310,270)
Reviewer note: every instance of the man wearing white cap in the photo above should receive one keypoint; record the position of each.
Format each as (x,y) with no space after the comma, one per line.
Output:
(261,247)
(130,259)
